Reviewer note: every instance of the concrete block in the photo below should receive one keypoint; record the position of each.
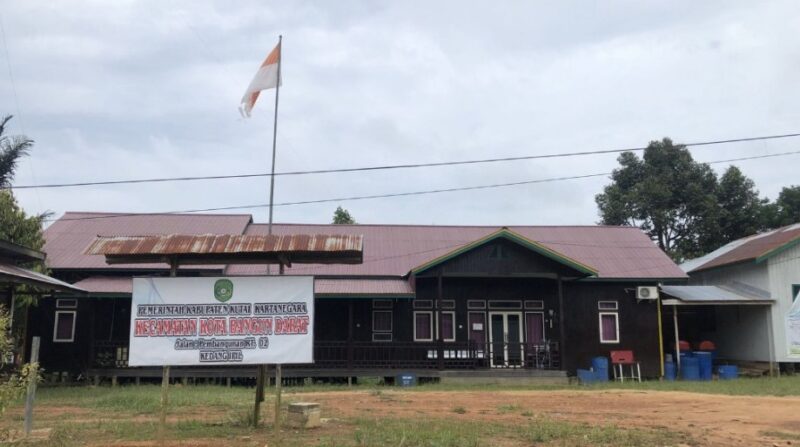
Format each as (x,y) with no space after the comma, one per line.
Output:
(304,415)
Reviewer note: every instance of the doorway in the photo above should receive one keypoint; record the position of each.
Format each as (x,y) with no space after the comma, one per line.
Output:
(505,339)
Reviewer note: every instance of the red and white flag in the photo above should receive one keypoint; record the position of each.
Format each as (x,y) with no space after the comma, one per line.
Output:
(267,77)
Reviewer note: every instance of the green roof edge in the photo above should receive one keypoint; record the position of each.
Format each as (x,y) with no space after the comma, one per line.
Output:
(505,233)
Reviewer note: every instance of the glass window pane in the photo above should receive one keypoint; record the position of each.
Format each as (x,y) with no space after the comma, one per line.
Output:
(382,321)
(447,326)
(423,326)
(608,328)
(64,322)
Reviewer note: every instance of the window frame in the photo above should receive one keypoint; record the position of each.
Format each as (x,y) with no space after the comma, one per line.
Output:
(391,321)
(382,304)
(534,304)
(600,316)
(423,304)
(66,303)
(382,334)
(430,315)
(795,291)
(72,331)
(516,305)
(476,304)
(438,328)
(609,309)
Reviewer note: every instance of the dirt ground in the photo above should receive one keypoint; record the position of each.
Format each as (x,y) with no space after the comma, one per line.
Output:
(713,420)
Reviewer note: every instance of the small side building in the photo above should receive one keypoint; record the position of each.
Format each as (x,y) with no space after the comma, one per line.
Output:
(739,295)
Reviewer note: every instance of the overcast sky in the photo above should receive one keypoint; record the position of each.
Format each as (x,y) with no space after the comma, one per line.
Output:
(119,90)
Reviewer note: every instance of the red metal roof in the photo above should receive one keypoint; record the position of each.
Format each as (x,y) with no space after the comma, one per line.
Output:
(752,248)
(67,238)
(393,250)
(322,286)
(230,248)
(18,275)
(365,287)
(389,250)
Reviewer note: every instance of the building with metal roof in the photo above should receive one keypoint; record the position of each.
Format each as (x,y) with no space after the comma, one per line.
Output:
(535,299)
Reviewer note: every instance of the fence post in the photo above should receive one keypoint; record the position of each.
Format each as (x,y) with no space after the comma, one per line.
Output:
(31,386)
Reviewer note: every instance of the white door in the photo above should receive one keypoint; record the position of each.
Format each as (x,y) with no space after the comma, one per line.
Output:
(505,339)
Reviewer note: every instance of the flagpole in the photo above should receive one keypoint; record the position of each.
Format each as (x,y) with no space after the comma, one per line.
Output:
(261,373)
(275,135)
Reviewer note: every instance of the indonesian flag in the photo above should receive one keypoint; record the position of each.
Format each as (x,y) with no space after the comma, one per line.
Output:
(266,77)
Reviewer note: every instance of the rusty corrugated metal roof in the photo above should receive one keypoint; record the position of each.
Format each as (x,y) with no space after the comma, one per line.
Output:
(751,248)
(67,238)
(230,248)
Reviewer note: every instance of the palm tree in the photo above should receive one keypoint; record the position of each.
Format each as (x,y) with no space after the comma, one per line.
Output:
(12,147)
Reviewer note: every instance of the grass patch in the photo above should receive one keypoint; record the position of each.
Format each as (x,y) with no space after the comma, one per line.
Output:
(459,410)
(786,436)
(782,386)
(508,408)
(576,434)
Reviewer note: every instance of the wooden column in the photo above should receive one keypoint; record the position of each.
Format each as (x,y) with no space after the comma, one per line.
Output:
(437,320)
(350,324)
(677,337)
(562,332)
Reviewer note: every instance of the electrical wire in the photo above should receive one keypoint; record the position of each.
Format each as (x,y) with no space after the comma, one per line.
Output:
(389,167)
(400,194)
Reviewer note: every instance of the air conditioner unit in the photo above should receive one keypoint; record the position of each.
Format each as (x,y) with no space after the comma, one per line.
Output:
(647,292)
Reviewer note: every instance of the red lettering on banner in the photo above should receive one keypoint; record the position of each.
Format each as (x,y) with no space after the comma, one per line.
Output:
(291,325)
(165,327)
(212,326)
(250,326)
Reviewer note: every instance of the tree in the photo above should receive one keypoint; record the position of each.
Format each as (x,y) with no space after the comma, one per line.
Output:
(667,194)
(787,206)
(741,211)
(12,147)
(12,384)
(342,217)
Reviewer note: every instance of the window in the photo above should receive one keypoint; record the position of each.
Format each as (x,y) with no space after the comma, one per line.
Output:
(536,305)
(505,305)
(607,305)
(447,326)
(423,304)
(476,304)
(795,291)
(381,304)
(64,327)
(447,304)
(381,336)
(66,303)
(382,321)
(423,326)
(609,327)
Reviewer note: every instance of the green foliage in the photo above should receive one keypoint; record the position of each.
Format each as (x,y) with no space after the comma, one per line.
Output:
(12,147)
(12,384)
(342,217)
(787,207)
(741,211)
(665,193)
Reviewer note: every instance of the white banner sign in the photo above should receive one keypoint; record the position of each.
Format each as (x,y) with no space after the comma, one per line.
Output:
(793,328)
(222,321)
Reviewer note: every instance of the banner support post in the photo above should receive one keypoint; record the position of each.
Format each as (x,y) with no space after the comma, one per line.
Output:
(173,272)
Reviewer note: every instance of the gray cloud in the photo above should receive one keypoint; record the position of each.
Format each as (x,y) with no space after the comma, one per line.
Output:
(149,89)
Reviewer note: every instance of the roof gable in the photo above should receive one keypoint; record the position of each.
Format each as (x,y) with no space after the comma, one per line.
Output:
(389,250)
(506,234)
(756,248)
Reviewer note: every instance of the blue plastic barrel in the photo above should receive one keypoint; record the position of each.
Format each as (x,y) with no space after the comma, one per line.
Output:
(705,364)
(586,376)
(728,372)
(690,368)
(669,371)
(600,367)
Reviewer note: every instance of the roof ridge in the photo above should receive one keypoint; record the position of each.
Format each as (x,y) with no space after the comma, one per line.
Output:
(624,227)
(121,213)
